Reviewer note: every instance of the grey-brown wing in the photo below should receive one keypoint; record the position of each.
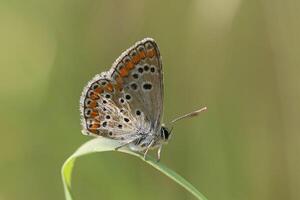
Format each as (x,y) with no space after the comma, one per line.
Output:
(141,70)
(103,114)
(129,97)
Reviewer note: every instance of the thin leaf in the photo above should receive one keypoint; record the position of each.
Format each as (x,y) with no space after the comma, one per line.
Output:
(102,145)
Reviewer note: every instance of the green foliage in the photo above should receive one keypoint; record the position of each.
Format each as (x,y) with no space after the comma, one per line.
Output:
(102,145)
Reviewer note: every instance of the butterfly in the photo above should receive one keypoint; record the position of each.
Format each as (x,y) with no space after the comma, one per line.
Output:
(126,102)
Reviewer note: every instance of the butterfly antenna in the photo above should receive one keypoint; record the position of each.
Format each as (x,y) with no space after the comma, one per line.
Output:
(188,115)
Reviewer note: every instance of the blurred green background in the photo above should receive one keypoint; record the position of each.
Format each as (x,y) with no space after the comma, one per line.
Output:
(240,58)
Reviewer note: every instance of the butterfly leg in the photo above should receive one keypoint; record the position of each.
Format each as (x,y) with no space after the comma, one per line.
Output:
(158,153)
(148,147)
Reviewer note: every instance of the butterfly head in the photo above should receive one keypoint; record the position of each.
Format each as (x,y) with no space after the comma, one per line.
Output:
(165,133)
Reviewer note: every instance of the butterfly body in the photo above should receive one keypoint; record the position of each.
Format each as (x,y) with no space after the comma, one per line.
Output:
(150,140)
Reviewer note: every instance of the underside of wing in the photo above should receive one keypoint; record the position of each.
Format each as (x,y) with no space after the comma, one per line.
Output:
(128,98)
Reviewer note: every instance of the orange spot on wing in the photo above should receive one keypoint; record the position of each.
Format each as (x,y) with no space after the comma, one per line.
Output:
(97,121)
(123,72)
(94,126)
(95,131)
(150,53)
(93,104)
(109,87)
(142,55)
(94,96)
(98,90)
(136,59)
(129,65)
(119,84)
(94,113)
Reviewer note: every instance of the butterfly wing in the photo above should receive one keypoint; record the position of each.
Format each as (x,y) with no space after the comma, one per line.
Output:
(127,99)
(141,70)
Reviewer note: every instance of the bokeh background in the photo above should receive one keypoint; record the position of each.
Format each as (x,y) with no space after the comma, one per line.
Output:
(240,58)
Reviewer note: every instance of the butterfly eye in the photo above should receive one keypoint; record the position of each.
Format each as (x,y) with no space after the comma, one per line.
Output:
(164,133)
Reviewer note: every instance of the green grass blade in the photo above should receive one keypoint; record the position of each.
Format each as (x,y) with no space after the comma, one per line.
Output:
(102,145)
